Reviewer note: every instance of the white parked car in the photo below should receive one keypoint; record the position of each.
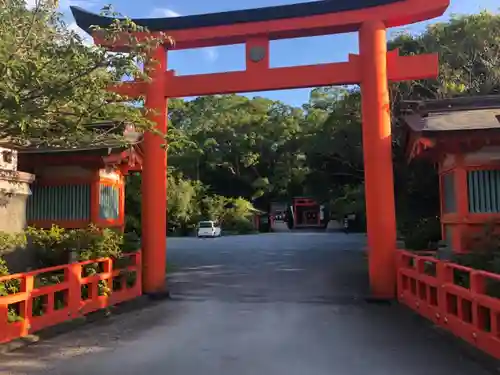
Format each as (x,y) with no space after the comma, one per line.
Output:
(208,229)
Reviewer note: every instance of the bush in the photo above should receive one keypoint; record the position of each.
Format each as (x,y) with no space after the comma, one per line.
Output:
(131,242)
(483,250)
(239,226)
(483,254)
(358,225)
(7,287)
(57,246)
(50,246)
(95,243)
(133,224)
(8,242)
(419,234)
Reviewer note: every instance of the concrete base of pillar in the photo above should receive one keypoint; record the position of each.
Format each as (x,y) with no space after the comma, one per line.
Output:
(379,300)
(158,296)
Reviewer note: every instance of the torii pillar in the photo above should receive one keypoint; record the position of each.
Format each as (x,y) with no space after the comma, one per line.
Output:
(154,181)
(377,152)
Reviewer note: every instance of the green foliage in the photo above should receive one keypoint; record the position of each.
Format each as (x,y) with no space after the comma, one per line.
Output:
(10,241)
(131,242)
(49,245)
(419,233)
(239,226)
(133,204)
(239,146)
(236,216)
(7,287)
(350,201)
(56,245)
(484,250)
(4,270)
(95,243)
(484,255)
(183,198)
(189,201)
(469,57)
(53,83)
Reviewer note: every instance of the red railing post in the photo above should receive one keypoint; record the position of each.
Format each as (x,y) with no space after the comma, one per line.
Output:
(138,270)
(74,276)
(441,293)
(399,275)
(27,307)
(4,316)
(477,287)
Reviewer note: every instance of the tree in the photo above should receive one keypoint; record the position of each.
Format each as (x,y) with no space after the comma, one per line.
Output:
(469,57)
(189,201)
(334,147)
(183,198)
(53,85)
(238,146)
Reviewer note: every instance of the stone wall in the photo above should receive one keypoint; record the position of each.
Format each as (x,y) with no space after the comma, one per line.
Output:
(14,193)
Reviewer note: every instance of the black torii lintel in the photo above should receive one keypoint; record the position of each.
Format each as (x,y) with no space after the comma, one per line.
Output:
(85,20)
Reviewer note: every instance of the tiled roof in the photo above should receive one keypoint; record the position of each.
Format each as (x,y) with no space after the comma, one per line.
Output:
(478,119)
(107,136)
(455,114)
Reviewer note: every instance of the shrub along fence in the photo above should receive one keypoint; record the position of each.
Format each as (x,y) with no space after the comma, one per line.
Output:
(39,299)
(78,271)
(462,300)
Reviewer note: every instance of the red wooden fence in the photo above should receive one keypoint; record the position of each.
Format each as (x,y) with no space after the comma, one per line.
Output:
(458,299)
(75,289)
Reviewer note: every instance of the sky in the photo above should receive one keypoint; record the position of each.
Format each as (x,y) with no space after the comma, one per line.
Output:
(302,51)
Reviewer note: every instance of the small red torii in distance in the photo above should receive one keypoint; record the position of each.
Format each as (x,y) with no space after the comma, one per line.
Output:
(372,69)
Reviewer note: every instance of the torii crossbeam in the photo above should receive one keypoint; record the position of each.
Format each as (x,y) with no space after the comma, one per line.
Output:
(372,69)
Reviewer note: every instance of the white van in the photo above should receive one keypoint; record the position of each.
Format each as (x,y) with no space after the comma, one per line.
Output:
(208,229)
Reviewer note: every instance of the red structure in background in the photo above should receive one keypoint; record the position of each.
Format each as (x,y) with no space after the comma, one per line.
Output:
(306,213)
(76,187)
(461,136)
(372,69)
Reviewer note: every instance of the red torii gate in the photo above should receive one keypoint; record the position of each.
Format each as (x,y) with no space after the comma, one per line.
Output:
(372,69)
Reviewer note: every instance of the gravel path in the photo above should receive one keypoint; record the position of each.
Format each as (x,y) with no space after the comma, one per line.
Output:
(285,303)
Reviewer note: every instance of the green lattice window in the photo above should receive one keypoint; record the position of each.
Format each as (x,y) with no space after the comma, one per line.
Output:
(59,203)
(109,202)
(483,191)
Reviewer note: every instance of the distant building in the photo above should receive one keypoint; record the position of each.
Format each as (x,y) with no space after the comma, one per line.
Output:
(303,212)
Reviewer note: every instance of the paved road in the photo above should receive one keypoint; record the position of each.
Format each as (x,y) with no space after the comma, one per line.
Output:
(288,303)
